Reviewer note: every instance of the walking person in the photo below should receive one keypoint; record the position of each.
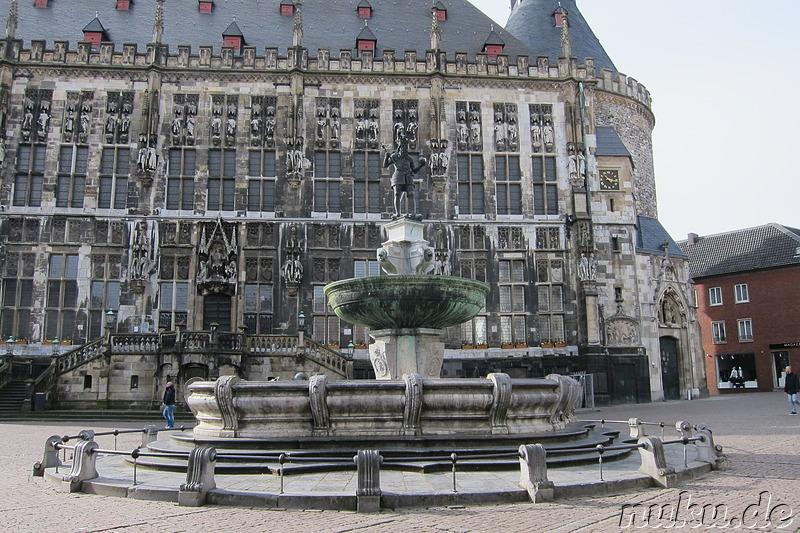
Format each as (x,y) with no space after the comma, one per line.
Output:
(791,388)
(169,405)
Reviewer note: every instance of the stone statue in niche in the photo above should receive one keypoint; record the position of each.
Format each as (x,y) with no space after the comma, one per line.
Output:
(412,128)
(269,126)
(292,269)
(322,125)
(69,122)
(399,126)
(216,123)
(177,126)
(335,127)
(218,259)
(373,128)
(360,128)
(43,120)
(499,132)
(475,129)
(513,132)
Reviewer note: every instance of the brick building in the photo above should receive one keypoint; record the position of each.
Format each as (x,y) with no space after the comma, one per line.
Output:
(175,166)
(748,289)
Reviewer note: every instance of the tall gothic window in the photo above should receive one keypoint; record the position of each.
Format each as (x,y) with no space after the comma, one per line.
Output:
(15,320)
(180,179)
(367,182)
(62,296)
(327,182)
(30,175)
(545,187)
(258,294)
(221,180)
(513,312)
(105,291)
(509,185)
(72,165)
(549,286)
(173,304)
(470,184)
(115,167)
(261,178)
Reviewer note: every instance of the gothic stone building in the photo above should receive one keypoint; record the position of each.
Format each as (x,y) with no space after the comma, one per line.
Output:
(192,174)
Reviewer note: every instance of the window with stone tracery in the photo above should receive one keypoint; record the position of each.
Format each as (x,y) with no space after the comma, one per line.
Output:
(545,185)
(327,181)
(261,179)
(18,289)
(115,164)
(181,170)
(513,311)
(221,180)
(173,291)
(258,293)
(104,292)
(367,182)
(508,177)
(62,297)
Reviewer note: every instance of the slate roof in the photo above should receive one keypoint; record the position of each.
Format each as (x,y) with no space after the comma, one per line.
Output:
(95,25)
(609,142)
(651,236)
(532,22)
(398,25)
(759,248)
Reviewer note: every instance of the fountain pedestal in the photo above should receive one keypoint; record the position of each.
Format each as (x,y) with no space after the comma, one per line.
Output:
(396,352)
(407,309)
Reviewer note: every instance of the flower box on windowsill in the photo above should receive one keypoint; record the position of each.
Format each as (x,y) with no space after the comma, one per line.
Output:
(506,345)
(360,346)
(547,345)
(333,346)
(521,345)
(466,347)
(481,346)
(560,344)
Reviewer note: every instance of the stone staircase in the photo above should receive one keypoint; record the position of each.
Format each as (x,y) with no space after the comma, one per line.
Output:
(12,396)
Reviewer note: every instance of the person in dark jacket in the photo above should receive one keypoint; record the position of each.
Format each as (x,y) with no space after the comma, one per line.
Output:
(169,405)
(791,388)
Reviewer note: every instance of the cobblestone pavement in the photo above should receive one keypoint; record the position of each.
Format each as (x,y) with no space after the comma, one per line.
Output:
(761,487)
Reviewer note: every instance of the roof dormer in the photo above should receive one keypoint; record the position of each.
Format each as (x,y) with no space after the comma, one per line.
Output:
(560,15)
(233,36)
(440,9)
(94,32)
(364,10)
(123,5)
(366,40)
(40,3)
(205,6)
(494,45)
(287,8)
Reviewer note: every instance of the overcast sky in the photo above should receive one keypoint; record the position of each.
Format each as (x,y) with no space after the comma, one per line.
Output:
(724,77)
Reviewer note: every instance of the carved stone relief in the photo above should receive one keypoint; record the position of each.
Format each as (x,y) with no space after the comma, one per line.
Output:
(218,258)
(542,132)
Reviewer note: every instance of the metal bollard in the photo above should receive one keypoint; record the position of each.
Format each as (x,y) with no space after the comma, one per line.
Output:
(281,461)
(454,459)
(600,451)
(135,456)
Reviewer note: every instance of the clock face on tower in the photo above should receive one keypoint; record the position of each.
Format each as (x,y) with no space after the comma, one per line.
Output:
(609,180)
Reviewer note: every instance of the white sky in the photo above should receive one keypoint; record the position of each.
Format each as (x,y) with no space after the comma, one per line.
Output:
(723,76)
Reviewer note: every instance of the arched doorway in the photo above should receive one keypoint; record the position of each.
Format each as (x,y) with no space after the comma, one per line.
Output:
(217,308)
(670,368)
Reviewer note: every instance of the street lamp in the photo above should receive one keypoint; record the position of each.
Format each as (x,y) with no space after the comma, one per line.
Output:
(350,349)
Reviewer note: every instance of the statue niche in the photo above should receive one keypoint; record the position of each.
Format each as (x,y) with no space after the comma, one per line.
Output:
(218,259)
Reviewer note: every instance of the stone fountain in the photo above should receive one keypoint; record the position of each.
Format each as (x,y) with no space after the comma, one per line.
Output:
(409,405)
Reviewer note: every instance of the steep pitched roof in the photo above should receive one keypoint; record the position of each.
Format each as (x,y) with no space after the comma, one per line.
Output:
(609,142)
(652,236)
(401,24)
(762,247)
(95,25)
(532,22)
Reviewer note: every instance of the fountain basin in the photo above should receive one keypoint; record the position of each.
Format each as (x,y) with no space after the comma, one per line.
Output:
(409,407)
(407,301)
